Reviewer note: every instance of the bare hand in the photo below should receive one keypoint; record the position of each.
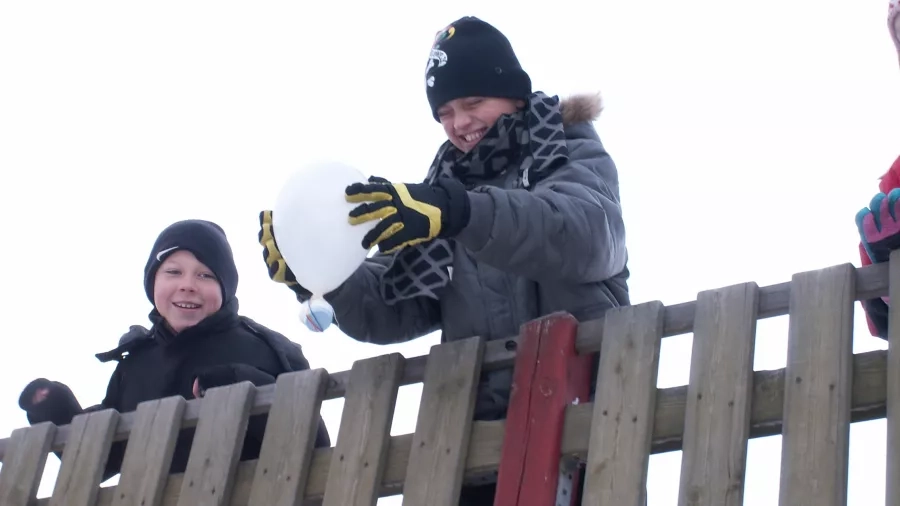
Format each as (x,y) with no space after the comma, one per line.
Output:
(196,389)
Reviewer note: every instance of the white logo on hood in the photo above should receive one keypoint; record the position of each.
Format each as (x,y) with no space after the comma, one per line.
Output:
(163,252)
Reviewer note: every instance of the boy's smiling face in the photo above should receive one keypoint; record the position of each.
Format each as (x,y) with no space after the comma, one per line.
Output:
(466,120)
(185,291)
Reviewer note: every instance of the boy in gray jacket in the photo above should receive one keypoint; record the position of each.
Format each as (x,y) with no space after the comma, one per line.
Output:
(518,217)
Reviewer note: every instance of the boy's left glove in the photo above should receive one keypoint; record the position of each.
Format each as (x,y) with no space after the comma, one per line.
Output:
(409,213)
(48,401)
(277,266)
(879,226)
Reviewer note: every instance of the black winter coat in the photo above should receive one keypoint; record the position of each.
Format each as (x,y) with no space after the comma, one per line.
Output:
(223,349)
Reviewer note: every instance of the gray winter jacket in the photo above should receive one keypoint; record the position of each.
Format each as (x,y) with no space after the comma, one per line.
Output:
(557,246)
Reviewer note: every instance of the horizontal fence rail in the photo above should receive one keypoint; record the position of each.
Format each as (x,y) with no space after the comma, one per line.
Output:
(823,388)
(871,283)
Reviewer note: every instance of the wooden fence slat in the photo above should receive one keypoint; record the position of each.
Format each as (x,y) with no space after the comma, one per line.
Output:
(217,445)
(511,475)
(816,428)
(717,415)
(484,447)
(892,495)
(548,377)
(84,459)
(289,440)
(148,455)
(360,455)
(872,281)
(619,449)
(869,394)
(441,441)
(24,463)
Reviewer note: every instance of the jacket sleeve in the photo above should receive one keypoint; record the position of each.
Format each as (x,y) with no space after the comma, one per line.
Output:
(568,228)
(229,374)
(361,313)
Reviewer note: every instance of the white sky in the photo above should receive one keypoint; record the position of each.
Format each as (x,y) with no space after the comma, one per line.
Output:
(119,118)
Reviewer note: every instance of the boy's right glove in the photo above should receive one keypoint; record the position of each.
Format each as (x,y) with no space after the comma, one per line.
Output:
(49,401)
(277,266)
(879,227)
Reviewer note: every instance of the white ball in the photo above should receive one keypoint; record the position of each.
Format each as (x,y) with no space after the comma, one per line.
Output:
(316,314)
(310,221)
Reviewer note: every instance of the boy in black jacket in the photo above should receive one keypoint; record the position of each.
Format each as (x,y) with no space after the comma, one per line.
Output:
(197,341)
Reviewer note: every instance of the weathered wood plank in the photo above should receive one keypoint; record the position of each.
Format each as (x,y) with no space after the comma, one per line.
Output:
(289,440)
(217,446)
(148,455)
(892,495)
(483,455)
(816,427)
(869,397)
(549,376)
(438,454)
(620,435)
(511,474)
(360,455)
(717,415)
(872,281)
(83,462)
(23,466)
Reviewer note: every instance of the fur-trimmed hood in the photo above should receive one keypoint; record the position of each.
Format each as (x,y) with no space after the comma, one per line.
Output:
(580,108)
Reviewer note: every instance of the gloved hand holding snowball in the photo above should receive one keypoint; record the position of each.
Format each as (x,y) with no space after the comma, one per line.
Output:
(316,314)
(318,249)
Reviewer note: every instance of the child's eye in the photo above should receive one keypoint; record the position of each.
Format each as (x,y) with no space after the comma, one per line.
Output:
(208,275)
(173,272)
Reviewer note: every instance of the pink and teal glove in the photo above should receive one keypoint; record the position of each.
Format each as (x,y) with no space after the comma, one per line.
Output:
(879,226)
(879,233)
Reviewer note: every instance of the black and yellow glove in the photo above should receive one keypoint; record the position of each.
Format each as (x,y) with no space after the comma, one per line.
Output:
(277,266)
(409,213)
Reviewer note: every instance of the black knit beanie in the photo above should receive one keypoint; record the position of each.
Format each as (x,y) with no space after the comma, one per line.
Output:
(471,58)
(206,241)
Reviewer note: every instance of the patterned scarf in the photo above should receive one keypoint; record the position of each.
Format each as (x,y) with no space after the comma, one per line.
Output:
(532,138)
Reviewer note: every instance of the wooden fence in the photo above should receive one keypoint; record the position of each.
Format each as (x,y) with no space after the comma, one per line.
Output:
(812,402)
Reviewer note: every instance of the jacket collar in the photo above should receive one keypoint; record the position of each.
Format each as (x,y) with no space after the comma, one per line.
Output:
(220,321)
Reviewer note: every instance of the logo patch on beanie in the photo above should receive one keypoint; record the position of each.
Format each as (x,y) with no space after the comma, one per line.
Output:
(437,57)
(163,252)
(444,34)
